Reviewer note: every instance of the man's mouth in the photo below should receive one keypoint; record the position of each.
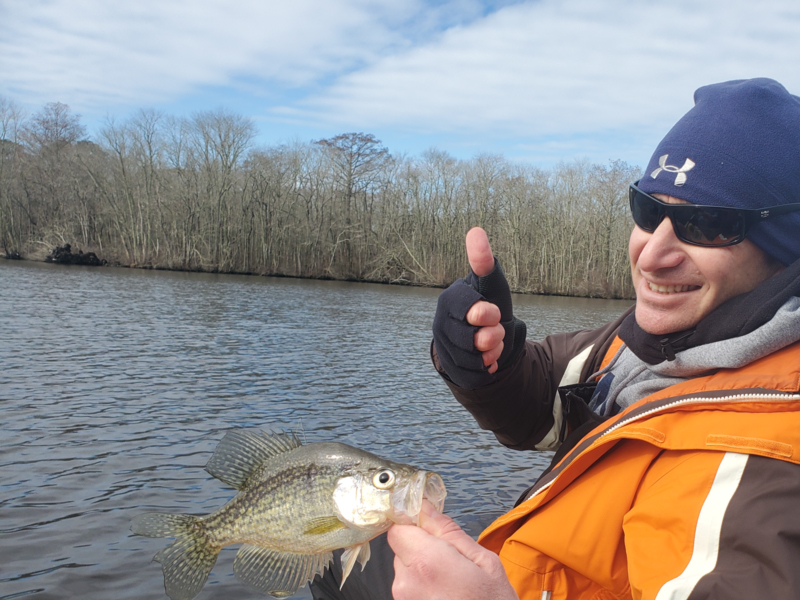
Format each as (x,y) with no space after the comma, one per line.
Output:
(670,289)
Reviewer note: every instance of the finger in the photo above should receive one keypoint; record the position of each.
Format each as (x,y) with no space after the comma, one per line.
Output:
(488,338)
(479,252)
(483,314)
(491,356)
(402,586)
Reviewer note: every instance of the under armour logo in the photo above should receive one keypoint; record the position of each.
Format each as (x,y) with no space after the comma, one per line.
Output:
(680,178)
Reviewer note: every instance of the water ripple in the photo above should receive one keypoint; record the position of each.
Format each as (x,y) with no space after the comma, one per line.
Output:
(116,385)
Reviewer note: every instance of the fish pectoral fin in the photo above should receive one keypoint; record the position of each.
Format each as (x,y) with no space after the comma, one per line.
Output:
(363,555)
(242,451)
(349,556)
(277,573)
(322,525)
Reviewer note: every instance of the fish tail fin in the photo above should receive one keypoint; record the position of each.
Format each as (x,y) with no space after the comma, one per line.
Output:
(188,560)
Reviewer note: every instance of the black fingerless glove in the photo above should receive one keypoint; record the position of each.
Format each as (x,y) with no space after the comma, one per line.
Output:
(454,338)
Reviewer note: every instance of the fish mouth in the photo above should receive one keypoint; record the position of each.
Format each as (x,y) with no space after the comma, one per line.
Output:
(407,498)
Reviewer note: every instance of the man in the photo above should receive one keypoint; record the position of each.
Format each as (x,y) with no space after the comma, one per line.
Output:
(677,427)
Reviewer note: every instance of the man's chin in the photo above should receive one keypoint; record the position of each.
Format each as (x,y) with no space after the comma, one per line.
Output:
(657,322)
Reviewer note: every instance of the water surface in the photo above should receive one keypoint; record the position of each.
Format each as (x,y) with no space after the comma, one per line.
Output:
(117,384)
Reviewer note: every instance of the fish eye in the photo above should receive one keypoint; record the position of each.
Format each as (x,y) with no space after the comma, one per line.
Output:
(383,480)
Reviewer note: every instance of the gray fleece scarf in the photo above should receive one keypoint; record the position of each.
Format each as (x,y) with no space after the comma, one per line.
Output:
(633,378)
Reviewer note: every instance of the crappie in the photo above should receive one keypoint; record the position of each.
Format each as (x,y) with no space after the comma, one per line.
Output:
(296,504)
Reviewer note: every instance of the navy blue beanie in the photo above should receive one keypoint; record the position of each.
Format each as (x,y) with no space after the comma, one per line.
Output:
(740,147)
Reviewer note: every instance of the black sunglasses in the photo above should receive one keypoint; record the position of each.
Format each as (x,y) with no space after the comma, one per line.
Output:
(697,224)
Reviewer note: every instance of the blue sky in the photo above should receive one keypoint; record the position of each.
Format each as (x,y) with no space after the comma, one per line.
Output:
(537,81)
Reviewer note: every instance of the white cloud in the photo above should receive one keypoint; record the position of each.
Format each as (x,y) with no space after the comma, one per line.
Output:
(561,67)
(561,76)
(101,53)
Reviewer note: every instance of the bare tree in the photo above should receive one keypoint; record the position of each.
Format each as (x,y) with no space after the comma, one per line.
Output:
(12,231)
(221,139)
(49,169)
(357,161)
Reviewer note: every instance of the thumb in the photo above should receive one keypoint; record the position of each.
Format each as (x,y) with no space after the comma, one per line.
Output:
(443,527)
(479,252)
(487,278)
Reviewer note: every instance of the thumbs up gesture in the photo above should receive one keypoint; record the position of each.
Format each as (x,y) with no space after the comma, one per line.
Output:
(474,330)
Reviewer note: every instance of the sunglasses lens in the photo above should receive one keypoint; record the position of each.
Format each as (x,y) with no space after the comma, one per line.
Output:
(646,213)
(708,226)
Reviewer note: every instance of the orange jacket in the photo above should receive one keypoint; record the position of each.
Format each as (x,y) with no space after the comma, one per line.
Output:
(690,493)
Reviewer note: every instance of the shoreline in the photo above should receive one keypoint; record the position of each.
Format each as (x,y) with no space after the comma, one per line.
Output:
(400,282)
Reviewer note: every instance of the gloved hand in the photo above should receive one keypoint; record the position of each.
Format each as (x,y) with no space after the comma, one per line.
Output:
(474,329)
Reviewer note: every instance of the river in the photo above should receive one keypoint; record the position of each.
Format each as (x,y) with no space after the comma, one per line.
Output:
(117,384)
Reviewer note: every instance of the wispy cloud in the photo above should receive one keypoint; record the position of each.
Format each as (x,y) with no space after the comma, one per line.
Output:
(540,79)
(100,52)
(564,67)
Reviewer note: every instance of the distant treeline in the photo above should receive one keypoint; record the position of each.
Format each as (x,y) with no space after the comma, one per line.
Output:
(196,194)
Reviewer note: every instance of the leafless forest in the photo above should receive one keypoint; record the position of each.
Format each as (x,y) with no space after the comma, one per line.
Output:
(197,194)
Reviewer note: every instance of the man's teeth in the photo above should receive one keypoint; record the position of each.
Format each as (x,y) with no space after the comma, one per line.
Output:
(669,289)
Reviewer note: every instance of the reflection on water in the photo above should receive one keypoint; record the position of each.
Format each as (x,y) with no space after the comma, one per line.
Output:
(116,385)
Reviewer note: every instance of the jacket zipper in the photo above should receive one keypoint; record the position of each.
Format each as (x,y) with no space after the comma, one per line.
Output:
(685,401)
(734,398)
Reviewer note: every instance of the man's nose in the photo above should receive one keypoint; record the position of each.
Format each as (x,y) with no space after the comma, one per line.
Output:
(663,249)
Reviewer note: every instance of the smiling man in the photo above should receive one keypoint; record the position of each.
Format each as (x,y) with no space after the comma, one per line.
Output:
(676,427)
(677,283)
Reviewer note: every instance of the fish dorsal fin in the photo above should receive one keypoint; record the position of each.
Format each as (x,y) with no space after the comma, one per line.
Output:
(349,556)
(279,574)
(242,451)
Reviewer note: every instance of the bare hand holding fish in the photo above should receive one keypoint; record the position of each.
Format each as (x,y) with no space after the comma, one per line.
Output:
(296,504)
(439,561)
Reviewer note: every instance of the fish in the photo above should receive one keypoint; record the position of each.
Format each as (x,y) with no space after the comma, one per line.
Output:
(296,504)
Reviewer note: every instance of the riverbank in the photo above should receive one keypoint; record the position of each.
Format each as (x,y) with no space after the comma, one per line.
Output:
(297,210)
(91,259)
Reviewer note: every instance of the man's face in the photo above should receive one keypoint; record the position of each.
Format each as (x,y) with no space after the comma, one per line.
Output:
(677,284)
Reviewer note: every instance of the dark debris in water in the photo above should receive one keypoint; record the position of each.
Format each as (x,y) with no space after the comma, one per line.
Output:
(63,255)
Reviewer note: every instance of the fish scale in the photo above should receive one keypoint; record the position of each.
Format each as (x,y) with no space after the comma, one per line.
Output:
(269,516)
